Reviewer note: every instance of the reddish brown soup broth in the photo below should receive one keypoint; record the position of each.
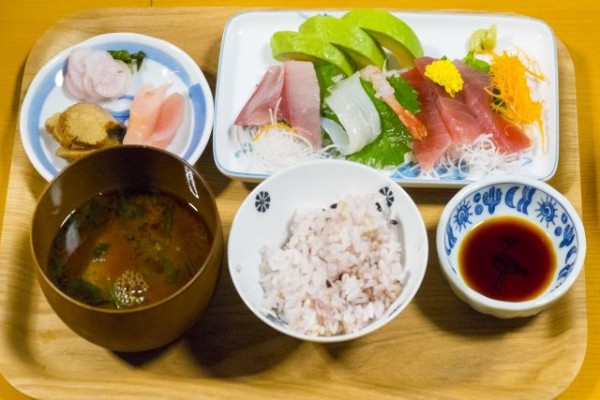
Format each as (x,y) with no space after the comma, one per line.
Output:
(121,250)
(507,258)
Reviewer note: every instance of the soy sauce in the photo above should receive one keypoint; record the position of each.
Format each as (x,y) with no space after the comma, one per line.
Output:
(507,258)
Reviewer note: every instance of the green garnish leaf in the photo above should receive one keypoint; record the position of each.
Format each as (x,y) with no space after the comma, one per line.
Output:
(131,59)
(405,94)
(394,141)
(476,63)
(325,76)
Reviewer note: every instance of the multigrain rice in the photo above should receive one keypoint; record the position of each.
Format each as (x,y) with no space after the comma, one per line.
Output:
(338,271)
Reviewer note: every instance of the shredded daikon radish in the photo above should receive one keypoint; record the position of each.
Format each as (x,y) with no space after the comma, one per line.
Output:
(481,158)
(276,146)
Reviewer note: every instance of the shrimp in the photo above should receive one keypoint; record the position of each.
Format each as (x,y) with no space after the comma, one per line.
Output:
(385,91)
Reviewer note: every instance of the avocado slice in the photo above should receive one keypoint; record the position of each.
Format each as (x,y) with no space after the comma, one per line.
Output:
(350,38)
(389,31)
(289,45)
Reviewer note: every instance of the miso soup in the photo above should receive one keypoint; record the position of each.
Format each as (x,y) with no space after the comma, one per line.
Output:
(127,249)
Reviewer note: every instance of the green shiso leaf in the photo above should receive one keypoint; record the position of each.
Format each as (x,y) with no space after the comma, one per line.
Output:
(405,94)
(325,75)
(394,141)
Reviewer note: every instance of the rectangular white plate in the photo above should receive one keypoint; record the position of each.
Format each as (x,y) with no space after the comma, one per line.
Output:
(246,55)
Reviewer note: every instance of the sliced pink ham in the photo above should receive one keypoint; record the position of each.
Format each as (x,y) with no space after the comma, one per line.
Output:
(264,100)
(290,93)
(93,76)
(74,84)
(76,61)
(507,137)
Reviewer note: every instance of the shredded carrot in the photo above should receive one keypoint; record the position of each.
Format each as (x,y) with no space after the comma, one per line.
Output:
(511,92)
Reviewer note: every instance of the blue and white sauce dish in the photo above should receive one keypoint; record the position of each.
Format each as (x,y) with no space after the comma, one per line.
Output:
(536,204)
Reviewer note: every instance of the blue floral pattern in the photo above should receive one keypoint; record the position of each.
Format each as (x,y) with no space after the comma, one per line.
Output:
(517,199)
(388,194)
(262,202)
(463,215)
(546,211)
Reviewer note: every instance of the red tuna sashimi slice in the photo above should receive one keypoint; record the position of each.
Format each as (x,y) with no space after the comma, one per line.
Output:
(168,121)
(143,113)
(264,100)
(460,122)
(511,138)
(300,105)
(431,148)
(508,137)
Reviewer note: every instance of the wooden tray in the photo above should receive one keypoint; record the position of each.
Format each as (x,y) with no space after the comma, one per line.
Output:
(438,348)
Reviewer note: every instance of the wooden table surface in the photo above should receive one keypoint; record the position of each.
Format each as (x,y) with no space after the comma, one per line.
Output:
(22,23)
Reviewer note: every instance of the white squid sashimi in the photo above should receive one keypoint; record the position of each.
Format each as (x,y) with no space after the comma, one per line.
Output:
(356,113)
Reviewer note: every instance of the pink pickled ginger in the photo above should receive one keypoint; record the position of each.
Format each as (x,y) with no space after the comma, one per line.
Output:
(153,119)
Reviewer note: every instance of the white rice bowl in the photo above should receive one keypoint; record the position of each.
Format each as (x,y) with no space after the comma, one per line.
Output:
(327,251)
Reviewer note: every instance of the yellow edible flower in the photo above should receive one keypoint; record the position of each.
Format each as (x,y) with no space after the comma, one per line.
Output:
(445,74)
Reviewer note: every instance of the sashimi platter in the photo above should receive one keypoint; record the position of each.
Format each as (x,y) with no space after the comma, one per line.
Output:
(429,99)
(114,89)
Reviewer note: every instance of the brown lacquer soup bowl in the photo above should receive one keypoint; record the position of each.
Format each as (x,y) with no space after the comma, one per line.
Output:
(127,244)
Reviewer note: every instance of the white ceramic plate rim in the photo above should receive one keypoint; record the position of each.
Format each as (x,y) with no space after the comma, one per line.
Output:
(245,56)
(174,60)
